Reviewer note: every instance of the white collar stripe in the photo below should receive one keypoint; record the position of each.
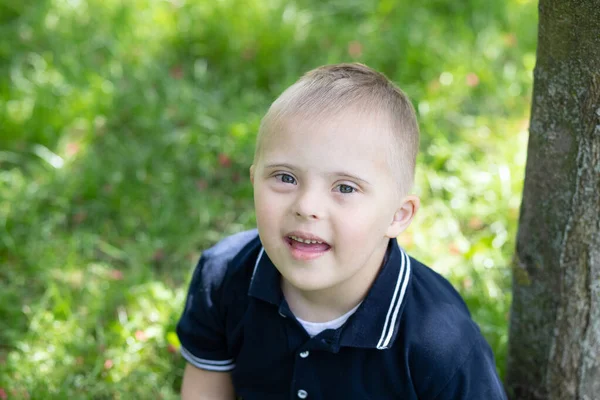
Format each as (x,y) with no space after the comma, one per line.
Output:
(262,250)
(386,343)
(395,298)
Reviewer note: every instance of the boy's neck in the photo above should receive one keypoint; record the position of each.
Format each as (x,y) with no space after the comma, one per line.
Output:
(331,303)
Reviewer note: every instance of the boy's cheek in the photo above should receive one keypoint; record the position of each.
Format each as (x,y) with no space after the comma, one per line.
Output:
(265,210)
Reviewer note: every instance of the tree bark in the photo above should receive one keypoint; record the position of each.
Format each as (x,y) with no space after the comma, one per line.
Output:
(554,347)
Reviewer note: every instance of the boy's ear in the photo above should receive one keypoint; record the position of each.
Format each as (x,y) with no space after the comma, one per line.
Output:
(403,216)
(252,174)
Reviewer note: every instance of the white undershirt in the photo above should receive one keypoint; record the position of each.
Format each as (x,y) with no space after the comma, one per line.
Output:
(314,328)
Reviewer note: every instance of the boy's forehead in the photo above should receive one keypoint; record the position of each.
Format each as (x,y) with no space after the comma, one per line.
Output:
(351,126)
(342,140)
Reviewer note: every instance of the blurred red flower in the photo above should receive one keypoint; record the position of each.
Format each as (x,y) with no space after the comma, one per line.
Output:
(141,336)
(224,160)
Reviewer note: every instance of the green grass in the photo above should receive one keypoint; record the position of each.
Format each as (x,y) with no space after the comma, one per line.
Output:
(127,129)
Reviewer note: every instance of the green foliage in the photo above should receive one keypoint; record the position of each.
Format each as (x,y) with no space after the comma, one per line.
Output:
(127,129)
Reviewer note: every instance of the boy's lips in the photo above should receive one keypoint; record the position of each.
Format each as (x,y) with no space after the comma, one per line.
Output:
(305,237)
(306,246)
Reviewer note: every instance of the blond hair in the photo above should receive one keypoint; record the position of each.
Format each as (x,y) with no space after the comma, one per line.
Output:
(330,90)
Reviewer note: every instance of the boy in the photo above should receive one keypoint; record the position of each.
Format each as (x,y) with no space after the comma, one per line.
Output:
(321,302)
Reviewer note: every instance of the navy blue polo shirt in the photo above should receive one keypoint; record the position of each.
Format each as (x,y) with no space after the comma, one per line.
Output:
(412,337)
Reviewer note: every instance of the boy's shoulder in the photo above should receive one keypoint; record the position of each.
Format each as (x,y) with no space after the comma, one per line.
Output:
(231,252)
(435,302)
(436,318)
(441,342)
(229,247)
(227,266)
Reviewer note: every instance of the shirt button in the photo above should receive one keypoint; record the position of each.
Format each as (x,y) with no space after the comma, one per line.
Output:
(304,354)
(302,394)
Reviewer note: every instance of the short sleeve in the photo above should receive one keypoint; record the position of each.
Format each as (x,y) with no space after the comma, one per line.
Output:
(201,329)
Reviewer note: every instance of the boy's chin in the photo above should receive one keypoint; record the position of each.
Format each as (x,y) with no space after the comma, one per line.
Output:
(305,281)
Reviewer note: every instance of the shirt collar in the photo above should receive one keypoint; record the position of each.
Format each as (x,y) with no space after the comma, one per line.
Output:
(375,323)
(265,282)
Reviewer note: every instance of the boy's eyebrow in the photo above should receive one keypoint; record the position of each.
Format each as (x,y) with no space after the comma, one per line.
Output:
(348,175)
(280,165)
(339,173)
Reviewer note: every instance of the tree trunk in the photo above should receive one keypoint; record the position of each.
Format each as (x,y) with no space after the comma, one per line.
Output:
(554,349)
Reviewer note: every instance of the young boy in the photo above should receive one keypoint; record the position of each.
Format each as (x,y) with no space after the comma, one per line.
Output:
(321,302)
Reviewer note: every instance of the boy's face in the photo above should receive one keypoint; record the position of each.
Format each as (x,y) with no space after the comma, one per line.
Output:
(327,201)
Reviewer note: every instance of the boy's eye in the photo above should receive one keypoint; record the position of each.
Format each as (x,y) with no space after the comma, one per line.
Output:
(346,189)
(286,178)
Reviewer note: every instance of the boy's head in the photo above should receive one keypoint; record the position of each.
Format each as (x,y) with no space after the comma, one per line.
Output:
(333,165)
(331,91)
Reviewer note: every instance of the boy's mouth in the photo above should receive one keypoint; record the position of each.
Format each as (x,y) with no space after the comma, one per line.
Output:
(305,246)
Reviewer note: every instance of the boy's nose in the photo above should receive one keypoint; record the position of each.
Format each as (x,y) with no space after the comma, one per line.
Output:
(306,215)
(309,205)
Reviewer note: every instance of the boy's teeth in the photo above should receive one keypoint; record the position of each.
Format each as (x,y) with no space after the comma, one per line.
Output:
(307,241)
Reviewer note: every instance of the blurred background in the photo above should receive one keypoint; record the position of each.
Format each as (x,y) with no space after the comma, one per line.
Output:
(127,130)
